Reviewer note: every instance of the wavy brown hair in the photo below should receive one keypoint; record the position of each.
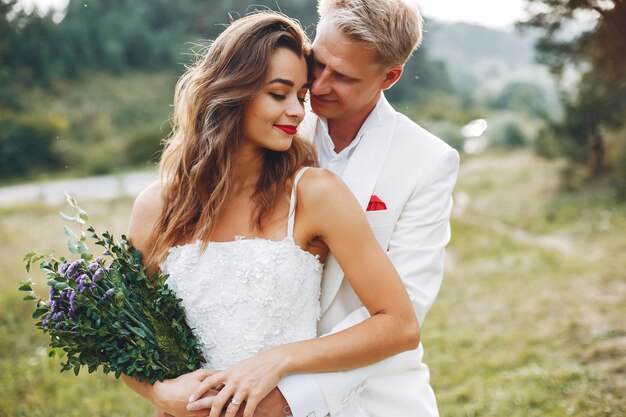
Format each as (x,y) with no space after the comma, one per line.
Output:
(197,163)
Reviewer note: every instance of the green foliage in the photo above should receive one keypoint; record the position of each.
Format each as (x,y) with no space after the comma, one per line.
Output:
(509,135)
(618,178)
(522,97)
(144,146)
(422,78)
(111,316)
(597,53)
(27,143)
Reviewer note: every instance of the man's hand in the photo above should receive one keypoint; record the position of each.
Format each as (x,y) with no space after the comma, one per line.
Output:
(273,405)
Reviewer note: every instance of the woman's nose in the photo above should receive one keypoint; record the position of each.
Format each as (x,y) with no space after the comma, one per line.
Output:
(296,109)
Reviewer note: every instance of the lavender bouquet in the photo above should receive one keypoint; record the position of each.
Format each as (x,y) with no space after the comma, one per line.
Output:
(105,311)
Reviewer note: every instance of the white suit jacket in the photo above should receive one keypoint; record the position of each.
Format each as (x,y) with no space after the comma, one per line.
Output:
(414,173)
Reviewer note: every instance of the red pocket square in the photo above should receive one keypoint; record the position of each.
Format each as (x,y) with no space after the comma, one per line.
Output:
(376,204)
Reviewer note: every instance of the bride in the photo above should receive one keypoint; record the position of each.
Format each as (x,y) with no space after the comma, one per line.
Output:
(242,223)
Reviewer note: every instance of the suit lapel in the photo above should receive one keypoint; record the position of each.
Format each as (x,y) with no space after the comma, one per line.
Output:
(361,175)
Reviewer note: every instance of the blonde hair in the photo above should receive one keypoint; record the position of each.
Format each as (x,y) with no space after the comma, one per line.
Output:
(393,28)
(197,163)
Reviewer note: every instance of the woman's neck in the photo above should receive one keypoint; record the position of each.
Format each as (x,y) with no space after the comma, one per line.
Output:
(246,169)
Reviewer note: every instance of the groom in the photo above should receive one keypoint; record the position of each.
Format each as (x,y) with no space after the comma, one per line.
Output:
(403,177)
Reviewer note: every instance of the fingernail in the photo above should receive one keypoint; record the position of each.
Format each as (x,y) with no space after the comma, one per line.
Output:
(191,407)
(192,398)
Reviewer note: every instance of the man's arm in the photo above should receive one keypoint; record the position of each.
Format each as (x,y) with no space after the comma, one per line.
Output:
(416,249)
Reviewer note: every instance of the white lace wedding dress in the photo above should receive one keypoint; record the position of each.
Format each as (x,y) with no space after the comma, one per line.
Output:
(247,295)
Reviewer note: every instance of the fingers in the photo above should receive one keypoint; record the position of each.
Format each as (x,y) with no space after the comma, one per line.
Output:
(234,405)
(203,373)
(204,403)
(220,401)
(251,404)
(210,381)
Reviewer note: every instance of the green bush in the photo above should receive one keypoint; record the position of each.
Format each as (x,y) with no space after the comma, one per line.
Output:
(27,143)
(144,147)
(545,144)
(618,176)
(512,136)
(450,133)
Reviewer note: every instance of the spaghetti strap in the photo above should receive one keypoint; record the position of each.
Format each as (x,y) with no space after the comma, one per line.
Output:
(292,202)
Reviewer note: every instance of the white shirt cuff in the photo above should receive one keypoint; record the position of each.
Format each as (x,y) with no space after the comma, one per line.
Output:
(304,395)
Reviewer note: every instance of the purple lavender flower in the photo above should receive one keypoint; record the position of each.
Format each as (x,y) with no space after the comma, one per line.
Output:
(72,305)
(46,319)
(75,267)
(56,316)
(97,275)
(53,306)
(110,292)
(93,266)
(51,293)
(63,268)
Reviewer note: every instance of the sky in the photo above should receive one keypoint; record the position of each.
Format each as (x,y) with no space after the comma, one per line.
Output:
(492,13)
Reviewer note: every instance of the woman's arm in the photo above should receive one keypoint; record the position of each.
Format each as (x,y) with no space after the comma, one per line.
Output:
(171,395)
(328,210)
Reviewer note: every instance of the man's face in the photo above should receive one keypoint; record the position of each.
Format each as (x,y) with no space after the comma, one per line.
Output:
(347,79)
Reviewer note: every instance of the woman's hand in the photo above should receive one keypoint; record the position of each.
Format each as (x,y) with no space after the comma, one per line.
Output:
(242,385)
(171,395)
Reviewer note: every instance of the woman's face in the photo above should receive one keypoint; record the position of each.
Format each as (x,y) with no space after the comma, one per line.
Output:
(272,117)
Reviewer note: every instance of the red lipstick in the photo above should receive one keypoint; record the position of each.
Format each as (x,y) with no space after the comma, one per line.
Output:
(288,129)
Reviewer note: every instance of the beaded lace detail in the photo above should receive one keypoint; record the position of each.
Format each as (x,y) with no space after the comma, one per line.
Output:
(246,295)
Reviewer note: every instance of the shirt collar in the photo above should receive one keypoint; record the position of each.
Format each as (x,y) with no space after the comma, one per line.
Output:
(372,121)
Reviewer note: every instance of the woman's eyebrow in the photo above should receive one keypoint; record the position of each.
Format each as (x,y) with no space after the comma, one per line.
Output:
(282,81)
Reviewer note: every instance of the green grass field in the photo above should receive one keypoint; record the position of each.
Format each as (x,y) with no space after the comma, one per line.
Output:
(530,321)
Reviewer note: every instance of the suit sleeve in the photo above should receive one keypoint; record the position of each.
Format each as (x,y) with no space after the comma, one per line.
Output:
(416,249)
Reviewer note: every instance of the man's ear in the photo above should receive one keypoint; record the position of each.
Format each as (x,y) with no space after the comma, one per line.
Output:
(392,75)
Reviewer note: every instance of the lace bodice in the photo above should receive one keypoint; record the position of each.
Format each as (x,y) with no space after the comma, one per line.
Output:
(247,295)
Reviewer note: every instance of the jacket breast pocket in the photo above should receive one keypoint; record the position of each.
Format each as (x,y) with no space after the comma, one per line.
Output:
(382,222)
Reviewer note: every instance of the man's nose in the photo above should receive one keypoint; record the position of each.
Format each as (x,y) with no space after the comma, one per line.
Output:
(320,85)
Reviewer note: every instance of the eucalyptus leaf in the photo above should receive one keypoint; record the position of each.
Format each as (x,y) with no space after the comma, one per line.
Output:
(72,246)
(69,232)
(81,247)
(67,217)
(70,200)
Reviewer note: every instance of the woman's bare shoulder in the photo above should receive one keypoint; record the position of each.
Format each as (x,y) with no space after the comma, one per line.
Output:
(150,200)
(146,211)
(316,182)
(323,190)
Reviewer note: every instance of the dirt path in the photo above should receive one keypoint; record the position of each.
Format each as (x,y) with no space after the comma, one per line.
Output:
(560,243)
(52,192)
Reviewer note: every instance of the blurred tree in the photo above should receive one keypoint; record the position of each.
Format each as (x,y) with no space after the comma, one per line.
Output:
(521,97)
(27,143)
(422,77)
(598,55)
